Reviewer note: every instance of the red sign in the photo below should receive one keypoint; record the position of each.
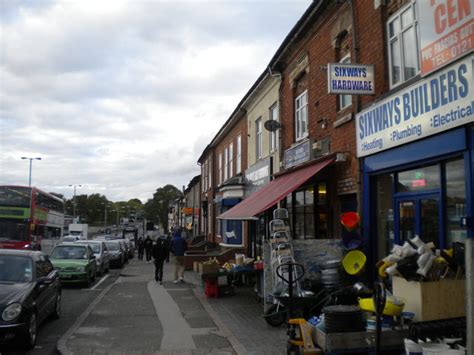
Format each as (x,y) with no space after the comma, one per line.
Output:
(446,32)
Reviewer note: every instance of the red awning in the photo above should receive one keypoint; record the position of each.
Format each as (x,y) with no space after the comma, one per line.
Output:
(273,192)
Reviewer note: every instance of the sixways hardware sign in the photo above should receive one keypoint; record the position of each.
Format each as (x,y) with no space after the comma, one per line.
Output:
(351,79)
(438,103)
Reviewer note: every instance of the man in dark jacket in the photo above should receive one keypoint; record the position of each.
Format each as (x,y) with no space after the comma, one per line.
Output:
(148,248)
(178,248)
(141,248)
(159,253)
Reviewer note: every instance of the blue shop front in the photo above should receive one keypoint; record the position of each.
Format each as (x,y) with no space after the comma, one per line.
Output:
(417,156)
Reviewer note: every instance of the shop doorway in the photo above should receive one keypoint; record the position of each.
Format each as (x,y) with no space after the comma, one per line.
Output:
(418,214)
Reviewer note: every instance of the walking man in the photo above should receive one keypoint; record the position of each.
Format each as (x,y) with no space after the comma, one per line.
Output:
(178,248)
(148,248)
(141,248)
(159,252)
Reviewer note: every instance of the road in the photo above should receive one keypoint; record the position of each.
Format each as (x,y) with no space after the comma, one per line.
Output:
(75,300)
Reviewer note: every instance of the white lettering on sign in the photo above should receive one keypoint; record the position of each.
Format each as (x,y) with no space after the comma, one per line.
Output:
(438,103)
(353,79)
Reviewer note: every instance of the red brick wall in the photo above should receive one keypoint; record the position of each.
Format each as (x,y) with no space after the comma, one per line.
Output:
(320,44)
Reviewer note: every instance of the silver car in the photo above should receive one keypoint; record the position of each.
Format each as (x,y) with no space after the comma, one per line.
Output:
(101,254)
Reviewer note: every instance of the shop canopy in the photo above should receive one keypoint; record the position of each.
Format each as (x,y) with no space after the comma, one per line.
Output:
(273,192)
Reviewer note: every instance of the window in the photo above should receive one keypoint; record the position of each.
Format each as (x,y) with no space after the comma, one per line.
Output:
(209,171)
(345,100)
(301,115)
(258,138)
(231,159)
(238,163)
(226,163)
(403,45)
(220,168)
(274,135)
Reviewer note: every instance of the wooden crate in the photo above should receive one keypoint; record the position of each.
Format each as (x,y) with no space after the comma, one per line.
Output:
(432,300)
(208,268)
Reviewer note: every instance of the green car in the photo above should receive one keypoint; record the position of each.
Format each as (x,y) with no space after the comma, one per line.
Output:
(75,263)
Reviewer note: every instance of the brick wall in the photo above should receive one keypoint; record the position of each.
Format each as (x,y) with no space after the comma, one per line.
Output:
(327,40)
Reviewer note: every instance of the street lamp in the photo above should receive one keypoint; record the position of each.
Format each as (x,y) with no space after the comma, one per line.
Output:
(31,163)
(74,202)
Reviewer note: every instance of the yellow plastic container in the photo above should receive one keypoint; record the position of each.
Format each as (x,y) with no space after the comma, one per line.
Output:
(391,309)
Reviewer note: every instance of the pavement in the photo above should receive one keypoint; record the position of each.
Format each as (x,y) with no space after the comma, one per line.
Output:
(136,315)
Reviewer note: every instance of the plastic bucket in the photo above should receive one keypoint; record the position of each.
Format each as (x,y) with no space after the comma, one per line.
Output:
(354,262)
(413,348)
(350,221)
(435,349)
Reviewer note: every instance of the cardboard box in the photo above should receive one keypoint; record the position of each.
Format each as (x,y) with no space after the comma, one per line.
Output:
(208,268)
(432,300)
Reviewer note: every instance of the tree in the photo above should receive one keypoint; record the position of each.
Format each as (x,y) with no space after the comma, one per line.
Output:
(156,208)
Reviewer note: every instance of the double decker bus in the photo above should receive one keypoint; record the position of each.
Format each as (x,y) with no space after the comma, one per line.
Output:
(27,215)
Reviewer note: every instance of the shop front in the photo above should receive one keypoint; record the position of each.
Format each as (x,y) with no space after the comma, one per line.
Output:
(417,150)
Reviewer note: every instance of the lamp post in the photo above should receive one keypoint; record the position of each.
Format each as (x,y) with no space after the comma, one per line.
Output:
(31,164)
(74,202)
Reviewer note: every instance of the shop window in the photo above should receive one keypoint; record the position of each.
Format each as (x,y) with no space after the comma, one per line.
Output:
(455,201)
(402,31)
(309,212)
(301,116)
(419,179)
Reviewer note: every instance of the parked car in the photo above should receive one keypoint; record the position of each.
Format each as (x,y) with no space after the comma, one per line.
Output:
(124,248)
(102,257)
(30,292)
(71,238)
(130,248)
(75,262)
(116,253)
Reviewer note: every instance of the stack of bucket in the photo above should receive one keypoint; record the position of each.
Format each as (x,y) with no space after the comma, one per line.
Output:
(211,288)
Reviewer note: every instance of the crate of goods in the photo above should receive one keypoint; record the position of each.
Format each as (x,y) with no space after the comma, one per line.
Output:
(432,300)
(208,268)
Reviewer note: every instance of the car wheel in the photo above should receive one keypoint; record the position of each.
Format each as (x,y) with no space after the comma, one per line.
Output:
(93,276)
(57,307)
(31,332)
(100,272)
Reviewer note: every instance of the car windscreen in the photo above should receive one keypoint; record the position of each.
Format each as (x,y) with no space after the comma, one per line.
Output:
(112,246)
(15,268)
(95,247)
(69,252)
(11,229)
(69,239)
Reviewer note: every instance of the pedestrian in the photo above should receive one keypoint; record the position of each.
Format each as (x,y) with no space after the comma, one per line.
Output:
(178,248)
(148,247)
(168,246)
(159,253)
(141,248)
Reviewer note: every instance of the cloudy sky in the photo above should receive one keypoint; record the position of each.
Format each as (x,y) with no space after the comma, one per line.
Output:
(123,96)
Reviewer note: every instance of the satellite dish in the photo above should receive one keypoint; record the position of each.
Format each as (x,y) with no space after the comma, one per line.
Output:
(272,125)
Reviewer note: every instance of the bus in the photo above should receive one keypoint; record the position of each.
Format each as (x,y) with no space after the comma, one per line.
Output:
(28,215)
